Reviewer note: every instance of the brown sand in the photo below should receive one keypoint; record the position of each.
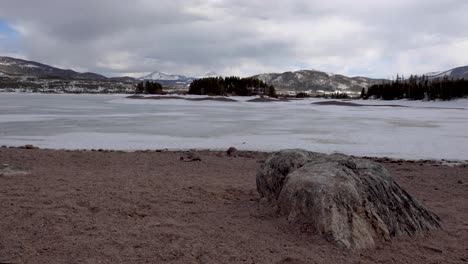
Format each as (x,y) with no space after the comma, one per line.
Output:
(151,207)
(344,103)
(268,99)
(157,97)
(219,99)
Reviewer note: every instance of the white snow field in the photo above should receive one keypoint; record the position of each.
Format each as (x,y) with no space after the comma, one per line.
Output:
(423,130)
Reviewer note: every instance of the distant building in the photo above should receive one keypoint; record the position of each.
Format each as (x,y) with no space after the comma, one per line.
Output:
(320,92)
(291,93)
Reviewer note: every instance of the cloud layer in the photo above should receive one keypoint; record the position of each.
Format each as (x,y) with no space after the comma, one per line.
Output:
(362,37)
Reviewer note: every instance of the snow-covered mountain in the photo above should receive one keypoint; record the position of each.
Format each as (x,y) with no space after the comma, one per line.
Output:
(18,67)
(211,74)
(168,79)
(455,73)
(157,75)
(30,76)
(316,80)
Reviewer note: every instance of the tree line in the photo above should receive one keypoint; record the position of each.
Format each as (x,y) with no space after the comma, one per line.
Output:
(418,88)
(148,87)
(231,85)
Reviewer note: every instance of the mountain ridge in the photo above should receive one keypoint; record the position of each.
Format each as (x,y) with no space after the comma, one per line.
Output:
(454,73)
(301,80)
(315,80)
(168,79)
(157,75)
(14,66)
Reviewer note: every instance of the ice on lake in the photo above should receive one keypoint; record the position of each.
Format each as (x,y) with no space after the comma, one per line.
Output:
(432,130)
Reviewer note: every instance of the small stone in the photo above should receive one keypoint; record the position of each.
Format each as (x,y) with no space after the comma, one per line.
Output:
(29,146)
(459,182)
(433,249)
(190,156)
(290,260)
(231,151)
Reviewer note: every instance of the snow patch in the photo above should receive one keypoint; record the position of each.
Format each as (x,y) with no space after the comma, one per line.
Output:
(162,76)
(29,66)
(439,74)
(211,74)
(299,76)
(342,86)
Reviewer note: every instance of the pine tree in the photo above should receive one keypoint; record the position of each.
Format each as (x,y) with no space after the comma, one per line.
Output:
(363,93)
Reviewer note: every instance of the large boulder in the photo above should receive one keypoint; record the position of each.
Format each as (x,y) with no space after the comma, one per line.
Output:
(352,202)
(270,177)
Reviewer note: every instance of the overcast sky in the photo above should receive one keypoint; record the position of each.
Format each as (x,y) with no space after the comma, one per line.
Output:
(241,37)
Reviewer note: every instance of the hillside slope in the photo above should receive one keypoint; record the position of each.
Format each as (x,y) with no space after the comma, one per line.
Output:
(19,67)
(316,80)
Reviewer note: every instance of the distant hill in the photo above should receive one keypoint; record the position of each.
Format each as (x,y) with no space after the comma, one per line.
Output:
(156,75)
(316,80)
(211,74)
(19,67)
(17,72)
(168,79)
(30,76)
(123,79)
(455,73)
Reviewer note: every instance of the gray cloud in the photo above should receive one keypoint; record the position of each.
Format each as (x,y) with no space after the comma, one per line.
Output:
(362,37)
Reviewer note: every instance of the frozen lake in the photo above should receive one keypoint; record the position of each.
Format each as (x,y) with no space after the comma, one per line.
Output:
(436,130)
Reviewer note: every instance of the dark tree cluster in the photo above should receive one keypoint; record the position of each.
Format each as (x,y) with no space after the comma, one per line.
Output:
(231,85)
(335,95)
(338,95)
(302,95)
(147,87)
(418,88)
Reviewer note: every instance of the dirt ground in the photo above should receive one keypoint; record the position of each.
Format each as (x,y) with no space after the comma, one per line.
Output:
(153,207)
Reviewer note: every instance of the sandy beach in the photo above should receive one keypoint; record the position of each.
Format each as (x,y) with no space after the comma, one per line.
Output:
(153,207)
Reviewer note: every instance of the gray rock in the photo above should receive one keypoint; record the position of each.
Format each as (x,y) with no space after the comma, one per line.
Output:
(352,202)
(231,151)
(289,260)
(277,166)
(190,156)
(29,146)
